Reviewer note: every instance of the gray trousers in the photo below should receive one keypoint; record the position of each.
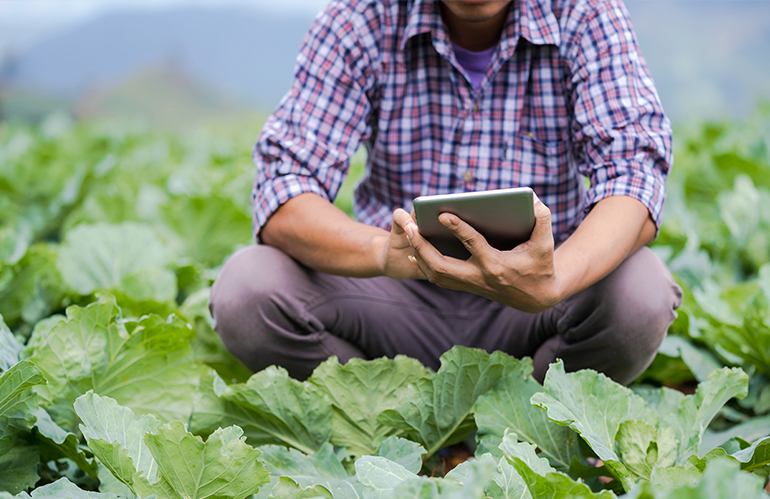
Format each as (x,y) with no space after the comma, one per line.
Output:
(269,309)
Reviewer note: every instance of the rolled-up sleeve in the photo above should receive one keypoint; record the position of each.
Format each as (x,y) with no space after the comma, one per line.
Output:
(306,144)
(622,140)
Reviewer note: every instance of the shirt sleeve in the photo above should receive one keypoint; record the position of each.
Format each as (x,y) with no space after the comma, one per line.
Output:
(621,137)
(306,144)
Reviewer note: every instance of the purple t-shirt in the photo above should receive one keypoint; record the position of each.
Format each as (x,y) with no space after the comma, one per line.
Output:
(474,63)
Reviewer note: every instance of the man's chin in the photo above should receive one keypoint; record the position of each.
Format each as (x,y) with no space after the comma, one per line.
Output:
(475,10)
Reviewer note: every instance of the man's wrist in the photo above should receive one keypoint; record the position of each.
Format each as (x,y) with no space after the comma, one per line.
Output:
(378,251)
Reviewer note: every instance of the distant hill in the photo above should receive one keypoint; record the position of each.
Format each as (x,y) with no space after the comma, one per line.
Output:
(243,52)
(161,95)
(709,58)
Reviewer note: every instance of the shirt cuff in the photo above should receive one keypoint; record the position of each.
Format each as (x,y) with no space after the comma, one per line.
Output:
(647,187)
(269,195)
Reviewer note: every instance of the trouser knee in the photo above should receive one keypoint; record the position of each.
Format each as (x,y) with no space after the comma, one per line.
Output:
(248,303)
(617,325)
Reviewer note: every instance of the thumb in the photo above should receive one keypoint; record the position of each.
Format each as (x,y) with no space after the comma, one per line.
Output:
(543,229)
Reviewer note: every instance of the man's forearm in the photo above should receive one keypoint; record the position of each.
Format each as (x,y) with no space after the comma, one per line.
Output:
(324,238)
(614,229)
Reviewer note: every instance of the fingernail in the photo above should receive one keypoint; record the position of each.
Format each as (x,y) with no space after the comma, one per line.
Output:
(445,221)
(409,231)
(412,259)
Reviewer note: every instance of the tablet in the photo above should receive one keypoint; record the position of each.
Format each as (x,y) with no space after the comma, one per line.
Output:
(505,217)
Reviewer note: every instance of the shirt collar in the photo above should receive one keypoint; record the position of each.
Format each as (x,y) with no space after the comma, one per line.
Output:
(530,19)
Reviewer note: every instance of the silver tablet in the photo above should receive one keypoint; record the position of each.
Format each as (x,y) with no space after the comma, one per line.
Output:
(505,217)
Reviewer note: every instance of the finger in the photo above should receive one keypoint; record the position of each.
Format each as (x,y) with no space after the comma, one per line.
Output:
(448,273)
(470,237)
(437,268)
(420,264)
(400,219)
(417,266)
(424,268)
(543,230)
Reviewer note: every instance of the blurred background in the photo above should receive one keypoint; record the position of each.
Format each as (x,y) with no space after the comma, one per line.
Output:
(182,62)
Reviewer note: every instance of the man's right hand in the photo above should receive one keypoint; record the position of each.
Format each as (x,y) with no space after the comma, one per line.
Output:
(318,234)
(397,251)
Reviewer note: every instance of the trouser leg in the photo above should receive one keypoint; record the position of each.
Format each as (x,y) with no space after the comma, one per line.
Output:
(268,309)
(614,326)
(617,325)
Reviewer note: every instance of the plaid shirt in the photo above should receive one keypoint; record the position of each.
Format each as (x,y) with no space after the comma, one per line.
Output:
(567,94)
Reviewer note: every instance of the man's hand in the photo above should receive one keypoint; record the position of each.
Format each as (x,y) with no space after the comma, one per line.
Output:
(533,276)
(524,278)
(397,252)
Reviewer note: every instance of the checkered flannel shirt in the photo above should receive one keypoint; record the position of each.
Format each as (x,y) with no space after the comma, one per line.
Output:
(567,94)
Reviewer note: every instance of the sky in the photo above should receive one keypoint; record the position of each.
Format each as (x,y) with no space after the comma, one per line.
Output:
(24,22)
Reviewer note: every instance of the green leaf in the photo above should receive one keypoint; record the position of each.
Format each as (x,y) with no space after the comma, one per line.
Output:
(359,391)
(736,209)
(436,412)
(740,319)
(223,466)
(10,347)
(642,447)
(690,415)
(322,468)
(146,364)
(19,468)
(35,288)
(722,479)
(474,476)
(540,478)
(416,488)
(663,479)
(14,241)
(286,488)
(380,475)
(116,437)
(755,456)
(758,399)
(109,201)
(687,475)
(209,228)
(751,430)
(591,404)
(512,449)
(126,257)
(468,482)
(207,346)
(700,361)
(404,452)
(505,481)
(56,443)
(506,406)
(64,489)
(18,402)
(272,408)
(17,398)
(110,484)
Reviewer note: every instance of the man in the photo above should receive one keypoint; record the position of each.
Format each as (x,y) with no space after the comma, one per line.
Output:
(454,96)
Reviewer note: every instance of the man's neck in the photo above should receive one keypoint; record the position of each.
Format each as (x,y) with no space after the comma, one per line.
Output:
(475,35)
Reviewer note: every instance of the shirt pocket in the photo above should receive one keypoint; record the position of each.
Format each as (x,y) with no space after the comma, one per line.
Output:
(537,163)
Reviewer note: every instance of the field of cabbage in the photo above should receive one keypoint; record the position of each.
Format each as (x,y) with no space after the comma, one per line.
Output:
(113,384)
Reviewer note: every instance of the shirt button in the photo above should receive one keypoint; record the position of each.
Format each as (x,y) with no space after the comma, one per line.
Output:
(476,107)
(467,176)
(530,135)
